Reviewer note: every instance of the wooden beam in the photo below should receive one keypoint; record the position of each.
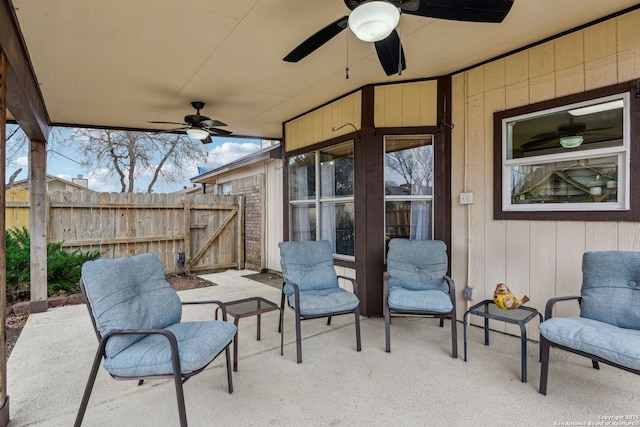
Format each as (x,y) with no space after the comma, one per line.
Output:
(4,399)
(23,97)
(38,225)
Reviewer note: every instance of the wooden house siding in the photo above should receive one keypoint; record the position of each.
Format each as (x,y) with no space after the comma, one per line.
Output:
(541,259)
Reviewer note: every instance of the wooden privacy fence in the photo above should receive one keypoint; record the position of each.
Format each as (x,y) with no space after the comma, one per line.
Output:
(206,228)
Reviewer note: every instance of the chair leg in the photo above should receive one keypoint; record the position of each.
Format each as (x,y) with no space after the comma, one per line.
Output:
(358,343)
(544,364)
(595,364)
(182,411)
(387,329)
(89,387)
(298,337)
(328,320)
(281,313)
(229,377)
(454,337)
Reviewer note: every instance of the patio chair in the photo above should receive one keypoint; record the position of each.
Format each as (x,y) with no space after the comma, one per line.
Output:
(416,284)
(136,316)
(311,287)
(608,328)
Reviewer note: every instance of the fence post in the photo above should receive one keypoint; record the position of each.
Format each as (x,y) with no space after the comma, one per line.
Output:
(240,232)
(187,233)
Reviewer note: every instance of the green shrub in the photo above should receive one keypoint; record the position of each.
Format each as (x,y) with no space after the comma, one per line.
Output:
(63,268)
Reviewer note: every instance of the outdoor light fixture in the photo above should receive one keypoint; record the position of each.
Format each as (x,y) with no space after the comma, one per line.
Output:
(374,20)
(197,133)
(572,141)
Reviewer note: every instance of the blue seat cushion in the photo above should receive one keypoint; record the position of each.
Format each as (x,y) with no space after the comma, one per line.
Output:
(430,300)
(129,293)
(198,344)
(612,343)
(308,264)
(325,301)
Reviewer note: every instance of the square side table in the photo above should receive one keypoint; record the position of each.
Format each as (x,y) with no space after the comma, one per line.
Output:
(253,306)
(520,316)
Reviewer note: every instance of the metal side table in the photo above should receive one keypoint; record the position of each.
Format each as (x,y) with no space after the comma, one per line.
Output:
(254,306)
(519,316)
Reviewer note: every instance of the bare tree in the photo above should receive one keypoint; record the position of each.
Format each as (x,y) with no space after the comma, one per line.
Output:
(130,154)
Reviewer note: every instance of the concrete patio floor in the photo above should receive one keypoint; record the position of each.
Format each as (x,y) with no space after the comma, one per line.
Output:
(417,384)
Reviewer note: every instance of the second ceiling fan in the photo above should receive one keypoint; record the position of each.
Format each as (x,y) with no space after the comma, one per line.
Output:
(365,23)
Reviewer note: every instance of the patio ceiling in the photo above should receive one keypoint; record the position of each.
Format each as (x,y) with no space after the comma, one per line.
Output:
(122,63)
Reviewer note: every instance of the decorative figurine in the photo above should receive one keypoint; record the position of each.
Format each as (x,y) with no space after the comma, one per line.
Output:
(504,299)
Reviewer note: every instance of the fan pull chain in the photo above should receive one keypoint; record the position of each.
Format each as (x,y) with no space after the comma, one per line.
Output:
(399,51)
(347,68)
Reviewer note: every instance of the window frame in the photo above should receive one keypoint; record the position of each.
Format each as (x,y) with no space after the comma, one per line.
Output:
(318,200)
(429,198)
(627,209)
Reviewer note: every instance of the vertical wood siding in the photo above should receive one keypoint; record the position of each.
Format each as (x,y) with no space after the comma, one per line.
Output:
(541,259)
(318,125)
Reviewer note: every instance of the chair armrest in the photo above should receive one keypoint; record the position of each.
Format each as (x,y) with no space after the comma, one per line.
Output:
(353,283)
(452,287)
(220,305)
(296,290)
(548,310)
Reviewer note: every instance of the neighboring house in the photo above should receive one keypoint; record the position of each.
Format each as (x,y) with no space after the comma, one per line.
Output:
(55,183)
(258,177)
(17,197)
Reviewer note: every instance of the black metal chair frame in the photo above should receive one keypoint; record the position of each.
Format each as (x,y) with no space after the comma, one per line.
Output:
(300,317)
(388,313)
(179,377)
(545,345)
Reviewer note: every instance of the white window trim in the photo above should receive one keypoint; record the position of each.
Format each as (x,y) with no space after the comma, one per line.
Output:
(623,153)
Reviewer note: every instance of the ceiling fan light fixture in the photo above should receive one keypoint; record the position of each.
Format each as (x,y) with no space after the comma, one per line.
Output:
(374,20)
(197,133)
(572,141)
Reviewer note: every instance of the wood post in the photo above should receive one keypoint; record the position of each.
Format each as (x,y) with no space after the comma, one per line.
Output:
(38,218)
(4,398)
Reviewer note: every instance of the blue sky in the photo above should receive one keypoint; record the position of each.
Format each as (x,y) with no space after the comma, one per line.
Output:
(59,163)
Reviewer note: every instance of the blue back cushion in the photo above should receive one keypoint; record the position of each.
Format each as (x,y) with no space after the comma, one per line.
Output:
(129,293)
(417,264)
(308,264)
(611,288)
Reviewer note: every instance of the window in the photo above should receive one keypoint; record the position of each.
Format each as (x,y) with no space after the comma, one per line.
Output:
(225,188)
(408,182)
(321,198)
(571,156)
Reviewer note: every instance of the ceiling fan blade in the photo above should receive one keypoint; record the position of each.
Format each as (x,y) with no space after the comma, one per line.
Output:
(211,123)
(540,141)
(391,54)
(183,129)
(207,140)
(167,123)
(493,11)
(317,40)
(217,131)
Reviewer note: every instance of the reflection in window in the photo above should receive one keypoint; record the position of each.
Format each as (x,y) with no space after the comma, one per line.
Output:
(573,181)
(409,187)
(303,222)
(567,158)
(302,174)
(323,208)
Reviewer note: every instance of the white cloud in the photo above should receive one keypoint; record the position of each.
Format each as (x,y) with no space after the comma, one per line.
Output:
(228,152)
(21,161)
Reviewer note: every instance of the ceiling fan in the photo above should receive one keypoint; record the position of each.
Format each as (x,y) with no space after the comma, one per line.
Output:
(570,135)
(368,20)
(198,126)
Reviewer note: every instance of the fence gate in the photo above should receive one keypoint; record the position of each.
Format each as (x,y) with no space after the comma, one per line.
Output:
(215,239)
